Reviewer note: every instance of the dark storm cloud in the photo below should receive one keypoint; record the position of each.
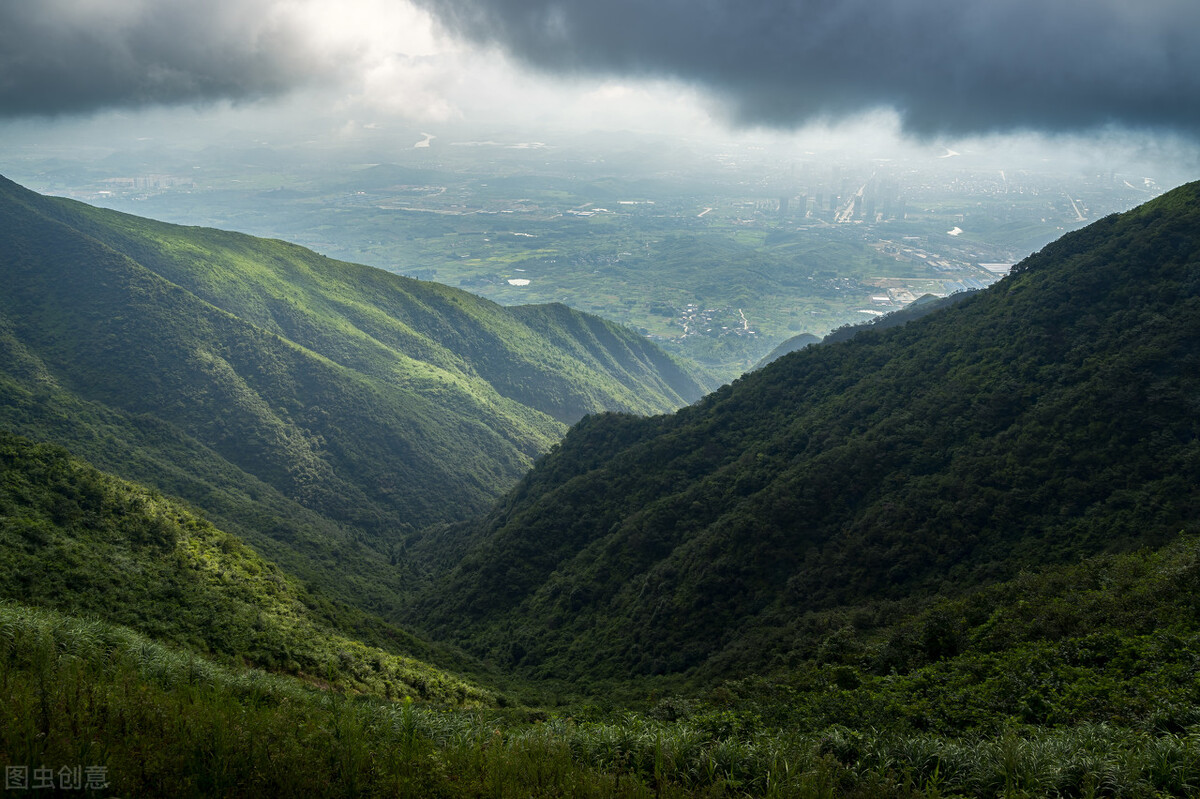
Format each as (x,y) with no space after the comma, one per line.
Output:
(952,66)
(70,56)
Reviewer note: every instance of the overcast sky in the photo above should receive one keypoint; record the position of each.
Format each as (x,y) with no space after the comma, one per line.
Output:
(922,70)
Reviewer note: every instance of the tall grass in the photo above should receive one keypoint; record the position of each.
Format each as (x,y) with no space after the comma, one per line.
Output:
(165,723)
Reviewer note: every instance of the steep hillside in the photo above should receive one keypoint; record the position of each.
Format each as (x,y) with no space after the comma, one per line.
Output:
(85,543)
(923,305)
(312,407)
(1048,418)
(797,342)
(364,318)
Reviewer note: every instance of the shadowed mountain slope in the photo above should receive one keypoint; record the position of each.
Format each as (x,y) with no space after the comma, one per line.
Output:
(919,307)
(1050,417)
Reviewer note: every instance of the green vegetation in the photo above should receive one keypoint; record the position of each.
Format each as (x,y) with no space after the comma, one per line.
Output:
(85,543)
(915,310)
(82,692)
(629,226)
(689,283)
(320,411)
(1109,641)
(1044,420)
(955,557)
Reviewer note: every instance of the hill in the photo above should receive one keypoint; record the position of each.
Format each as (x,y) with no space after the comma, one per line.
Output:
(85,543)
(318,410)
(1046,419)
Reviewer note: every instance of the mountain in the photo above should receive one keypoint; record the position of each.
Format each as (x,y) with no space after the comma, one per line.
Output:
(924,304)
(1051,417)
(938,559)
(318,410)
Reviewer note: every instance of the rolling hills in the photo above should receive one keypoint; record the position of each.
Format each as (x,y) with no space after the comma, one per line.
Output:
(1049,418)
(318,410)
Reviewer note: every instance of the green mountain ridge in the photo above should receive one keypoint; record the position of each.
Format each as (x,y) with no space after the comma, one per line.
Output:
(1048,418)
(318,410)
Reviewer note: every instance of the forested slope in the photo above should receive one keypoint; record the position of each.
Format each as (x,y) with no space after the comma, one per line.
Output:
(1048,418)
(85,543)
(319,410)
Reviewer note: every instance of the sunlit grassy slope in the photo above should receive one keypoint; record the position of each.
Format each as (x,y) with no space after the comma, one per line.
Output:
(82,542)
(319,410)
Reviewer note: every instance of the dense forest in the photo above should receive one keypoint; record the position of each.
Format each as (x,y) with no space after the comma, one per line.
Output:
(88,544)
(1047,419)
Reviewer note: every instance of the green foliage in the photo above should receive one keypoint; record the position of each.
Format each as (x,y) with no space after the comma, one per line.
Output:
(936,560)
(161,723)
(371,398)
(914,310)
(1111,641)
(1046,419)
(319,410)
(85,543)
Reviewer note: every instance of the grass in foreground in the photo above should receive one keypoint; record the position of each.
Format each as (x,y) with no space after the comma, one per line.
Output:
(161,723)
